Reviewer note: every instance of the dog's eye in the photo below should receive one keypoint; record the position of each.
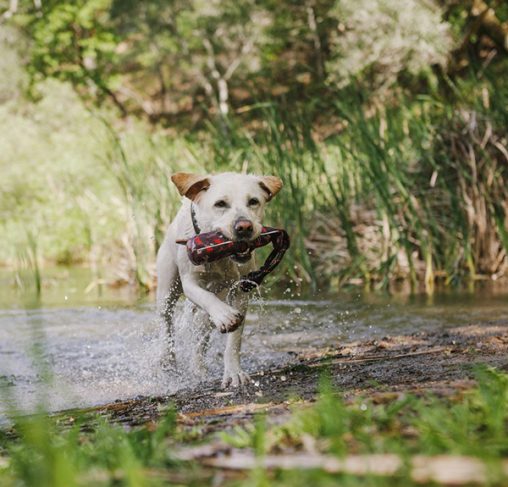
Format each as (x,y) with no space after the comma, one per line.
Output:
(253,202)
(221,204)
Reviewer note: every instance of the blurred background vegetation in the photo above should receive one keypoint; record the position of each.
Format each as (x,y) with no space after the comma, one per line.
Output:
(385,118)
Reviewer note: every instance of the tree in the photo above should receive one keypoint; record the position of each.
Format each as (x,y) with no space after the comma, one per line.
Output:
(379,39)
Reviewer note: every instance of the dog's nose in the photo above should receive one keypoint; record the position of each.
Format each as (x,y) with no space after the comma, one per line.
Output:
(243,228)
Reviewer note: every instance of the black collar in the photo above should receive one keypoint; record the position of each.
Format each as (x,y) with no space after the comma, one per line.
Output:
(194,221)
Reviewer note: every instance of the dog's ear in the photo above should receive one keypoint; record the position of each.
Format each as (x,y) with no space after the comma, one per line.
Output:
(271,185)
(190,185)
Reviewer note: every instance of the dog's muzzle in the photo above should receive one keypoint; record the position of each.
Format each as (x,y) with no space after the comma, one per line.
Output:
(243,229)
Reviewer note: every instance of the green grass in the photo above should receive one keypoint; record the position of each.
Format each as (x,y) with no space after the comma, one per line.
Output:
(413,190)
(473,424)
(49,451)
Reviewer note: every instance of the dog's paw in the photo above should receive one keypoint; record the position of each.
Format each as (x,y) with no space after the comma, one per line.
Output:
(234,377)
(226,318)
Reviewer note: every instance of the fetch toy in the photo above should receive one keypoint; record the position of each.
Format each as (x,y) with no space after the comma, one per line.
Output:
(212,246)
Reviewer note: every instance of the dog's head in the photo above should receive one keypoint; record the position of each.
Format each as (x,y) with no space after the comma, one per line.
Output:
(230,203)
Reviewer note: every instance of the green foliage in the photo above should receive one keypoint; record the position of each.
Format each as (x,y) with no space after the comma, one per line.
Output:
(379,39)
(407,184)
(44,455)
(146,57)
(165,58)
(82,190)
(72,41)
(430,170)
(82,451)
(474,424)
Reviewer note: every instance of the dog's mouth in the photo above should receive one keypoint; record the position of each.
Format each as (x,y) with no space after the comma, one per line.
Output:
(242,255)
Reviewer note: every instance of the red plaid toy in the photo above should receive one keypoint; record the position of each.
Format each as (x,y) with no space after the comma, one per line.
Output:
(212,246)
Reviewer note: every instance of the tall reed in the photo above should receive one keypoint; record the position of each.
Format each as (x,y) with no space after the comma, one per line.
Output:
(142,166)
(432,171)
(414,189)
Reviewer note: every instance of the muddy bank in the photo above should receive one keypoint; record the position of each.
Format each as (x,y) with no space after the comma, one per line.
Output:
(442,362)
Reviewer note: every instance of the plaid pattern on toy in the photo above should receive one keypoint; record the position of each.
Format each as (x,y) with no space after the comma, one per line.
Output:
(213,246)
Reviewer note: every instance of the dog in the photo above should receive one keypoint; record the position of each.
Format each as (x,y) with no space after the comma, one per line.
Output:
(233,204)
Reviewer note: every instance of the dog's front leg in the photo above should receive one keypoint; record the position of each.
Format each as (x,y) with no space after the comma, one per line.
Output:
(233,373)
(223,316)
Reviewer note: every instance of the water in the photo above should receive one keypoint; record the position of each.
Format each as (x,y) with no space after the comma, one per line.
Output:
(77,349)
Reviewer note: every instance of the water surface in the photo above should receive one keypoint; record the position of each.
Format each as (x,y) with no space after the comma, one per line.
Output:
(79,349)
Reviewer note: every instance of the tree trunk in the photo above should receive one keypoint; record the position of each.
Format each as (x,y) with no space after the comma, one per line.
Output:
(223,92)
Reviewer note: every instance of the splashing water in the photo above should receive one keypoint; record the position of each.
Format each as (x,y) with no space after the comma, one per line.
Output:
(87,355)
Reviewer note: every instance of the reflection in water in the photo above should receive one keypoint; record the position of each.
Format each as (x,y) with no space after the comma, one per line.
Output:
(95,354)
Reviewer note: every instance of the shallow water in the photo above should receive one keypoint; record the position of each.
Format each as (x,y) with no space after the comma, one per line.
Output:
(75,349)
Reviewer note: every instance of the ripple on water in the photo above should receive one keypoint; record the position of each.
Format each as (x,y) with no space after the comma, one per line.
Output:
(69,357)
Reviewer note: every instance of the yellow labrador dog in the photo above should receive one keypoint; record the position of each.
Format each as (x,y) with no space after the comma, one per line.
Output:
(234,205)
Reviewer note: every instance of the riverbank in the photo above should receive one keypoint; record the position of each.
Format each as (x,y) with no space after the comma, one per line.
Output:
(439,362)
(394,397)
